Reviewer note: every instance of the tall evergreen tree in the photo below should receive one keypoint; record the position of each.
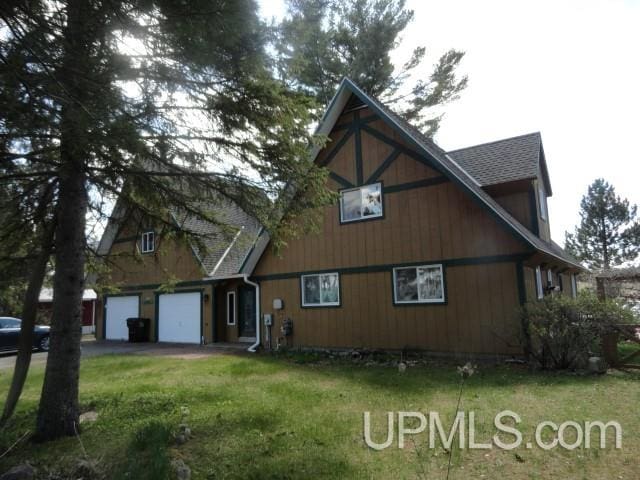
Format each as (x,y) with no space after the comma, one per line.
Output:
(609,231)
(321,41)
(140,100)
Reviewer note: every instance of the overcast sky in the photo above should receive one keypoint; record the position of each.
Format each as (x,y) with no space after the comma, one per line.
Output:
(569,69)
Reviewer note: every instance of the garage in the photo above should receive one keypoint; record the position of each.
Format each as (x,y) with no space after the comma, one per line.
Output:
(118,309)
(180,317)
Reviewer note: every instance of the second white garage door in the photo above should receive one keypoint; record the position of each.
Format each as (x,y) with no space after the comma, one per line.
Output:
(179,317)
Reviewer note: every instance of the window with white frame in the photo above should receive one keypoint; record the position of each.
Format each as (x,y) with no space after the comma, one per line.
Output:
(361,203)
(539,290)
(574,285)
(148,243)
(549,278)
(542,198)
(231,308)
(320,290)
(419,284)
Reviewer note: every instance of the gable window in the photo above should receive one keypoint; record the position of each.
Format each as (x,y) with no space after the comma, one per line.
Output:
(539,290)
(231,308)
(542,198)
(148,243)
(361,203)
(574,285)
(420,284)
(320,290)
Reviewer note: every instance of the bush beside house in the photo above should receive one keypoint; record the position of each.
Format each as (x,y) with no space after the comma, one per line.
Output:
(560,332)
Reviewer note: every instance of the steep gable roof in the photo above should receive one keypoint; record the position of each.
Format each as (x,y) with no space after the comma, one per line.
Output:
(224,248)
(507,160)
(441,160)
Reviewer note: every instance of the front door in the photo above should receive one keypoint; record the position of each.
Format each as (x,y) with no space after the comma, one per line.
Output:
(246,312)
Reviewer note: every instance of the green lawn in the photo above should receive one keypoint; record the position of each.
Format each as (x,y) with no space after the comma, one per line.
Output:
(273,417)
(627,348)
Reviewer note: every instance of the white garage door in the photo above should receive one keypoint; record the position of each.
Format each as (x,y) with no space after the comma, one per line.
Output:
(118,310)
(179,317)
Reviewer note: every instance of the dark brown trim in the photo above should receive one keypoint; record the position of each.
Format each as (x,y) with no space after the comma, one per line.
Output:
(449,262)
(407,151)
(341,180)
(347,125)
(334,151)
(384,165)
(427,182)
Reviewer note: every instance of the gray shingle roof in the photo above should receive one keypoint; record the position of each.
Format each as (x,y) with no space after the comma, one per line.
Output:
(224,246)
(507,160)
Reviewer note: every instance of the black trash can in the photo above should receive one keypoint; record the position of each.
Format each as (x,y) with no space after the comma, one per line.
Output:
(138,329)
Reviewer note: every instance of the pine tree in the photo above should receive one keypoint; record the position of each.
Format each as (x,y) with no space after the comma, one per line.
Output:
(609,231)
(321,41)
(140,101)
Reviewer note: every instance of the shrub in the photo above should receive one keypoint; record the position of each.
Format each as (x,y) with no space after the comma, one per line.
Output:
(560,332)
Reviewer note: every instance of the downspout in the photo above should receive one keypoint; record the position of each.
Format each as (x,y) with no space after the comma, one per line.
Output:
(253,347)
(93,317)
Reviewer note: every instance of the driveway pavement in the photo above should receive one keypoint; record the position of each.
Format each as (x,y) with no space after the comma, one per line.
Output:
(92,348)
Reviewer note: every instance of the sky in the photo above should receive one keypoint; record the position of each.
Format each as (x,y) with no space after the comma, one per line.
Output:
(568,69)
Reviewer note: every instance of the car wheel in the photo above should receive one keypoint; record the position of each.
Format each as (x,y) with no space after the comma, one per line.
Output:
(43,346)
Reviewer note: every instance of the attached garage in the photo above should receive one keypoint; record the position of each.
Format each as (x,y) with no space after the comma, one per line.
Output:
(118,309)
(180,317)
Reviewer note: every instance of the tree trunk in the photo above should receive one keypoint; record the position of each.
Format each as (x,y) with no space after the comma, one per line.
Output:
(58,413)
(37,273)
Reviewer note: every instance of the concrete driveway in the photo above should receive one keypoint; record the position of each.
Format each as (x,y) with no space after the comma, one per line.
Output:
(92,348)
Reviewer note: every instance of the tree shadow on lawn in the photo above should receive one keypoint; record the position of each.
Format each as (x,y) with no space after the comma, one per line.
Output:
(255,442)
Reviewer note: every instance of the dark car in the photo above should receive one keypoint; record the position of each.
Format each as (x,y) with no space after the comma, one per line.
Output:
(10,332)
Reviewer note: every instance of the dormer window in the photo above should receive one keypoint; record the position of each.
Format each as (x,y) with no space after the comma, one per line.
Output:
(148,243)
(539,290)
(361,203)
(542,197)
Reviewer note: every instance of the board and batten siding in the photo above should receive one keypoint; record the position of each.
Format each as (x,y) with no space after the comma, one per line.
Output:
(170,258)
(427,219)
(480,317)
(140,274)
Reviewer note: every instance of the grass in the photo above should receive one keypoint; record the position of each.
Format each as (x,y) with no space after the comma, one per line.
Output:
(273,417)
(627,348)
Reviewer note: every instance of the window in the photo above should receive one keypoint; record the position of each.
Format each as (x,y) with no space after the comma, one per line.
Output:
(539,290)
(574,285)
(148,242)
(361,203)
(549,278)
(231,308)
(9,323)
(542,198)
(421,284)
(560,282)
(320,290)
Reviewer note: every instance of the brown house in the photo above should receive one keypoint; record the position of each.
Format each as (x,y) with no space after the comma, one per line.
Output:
(425,249)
